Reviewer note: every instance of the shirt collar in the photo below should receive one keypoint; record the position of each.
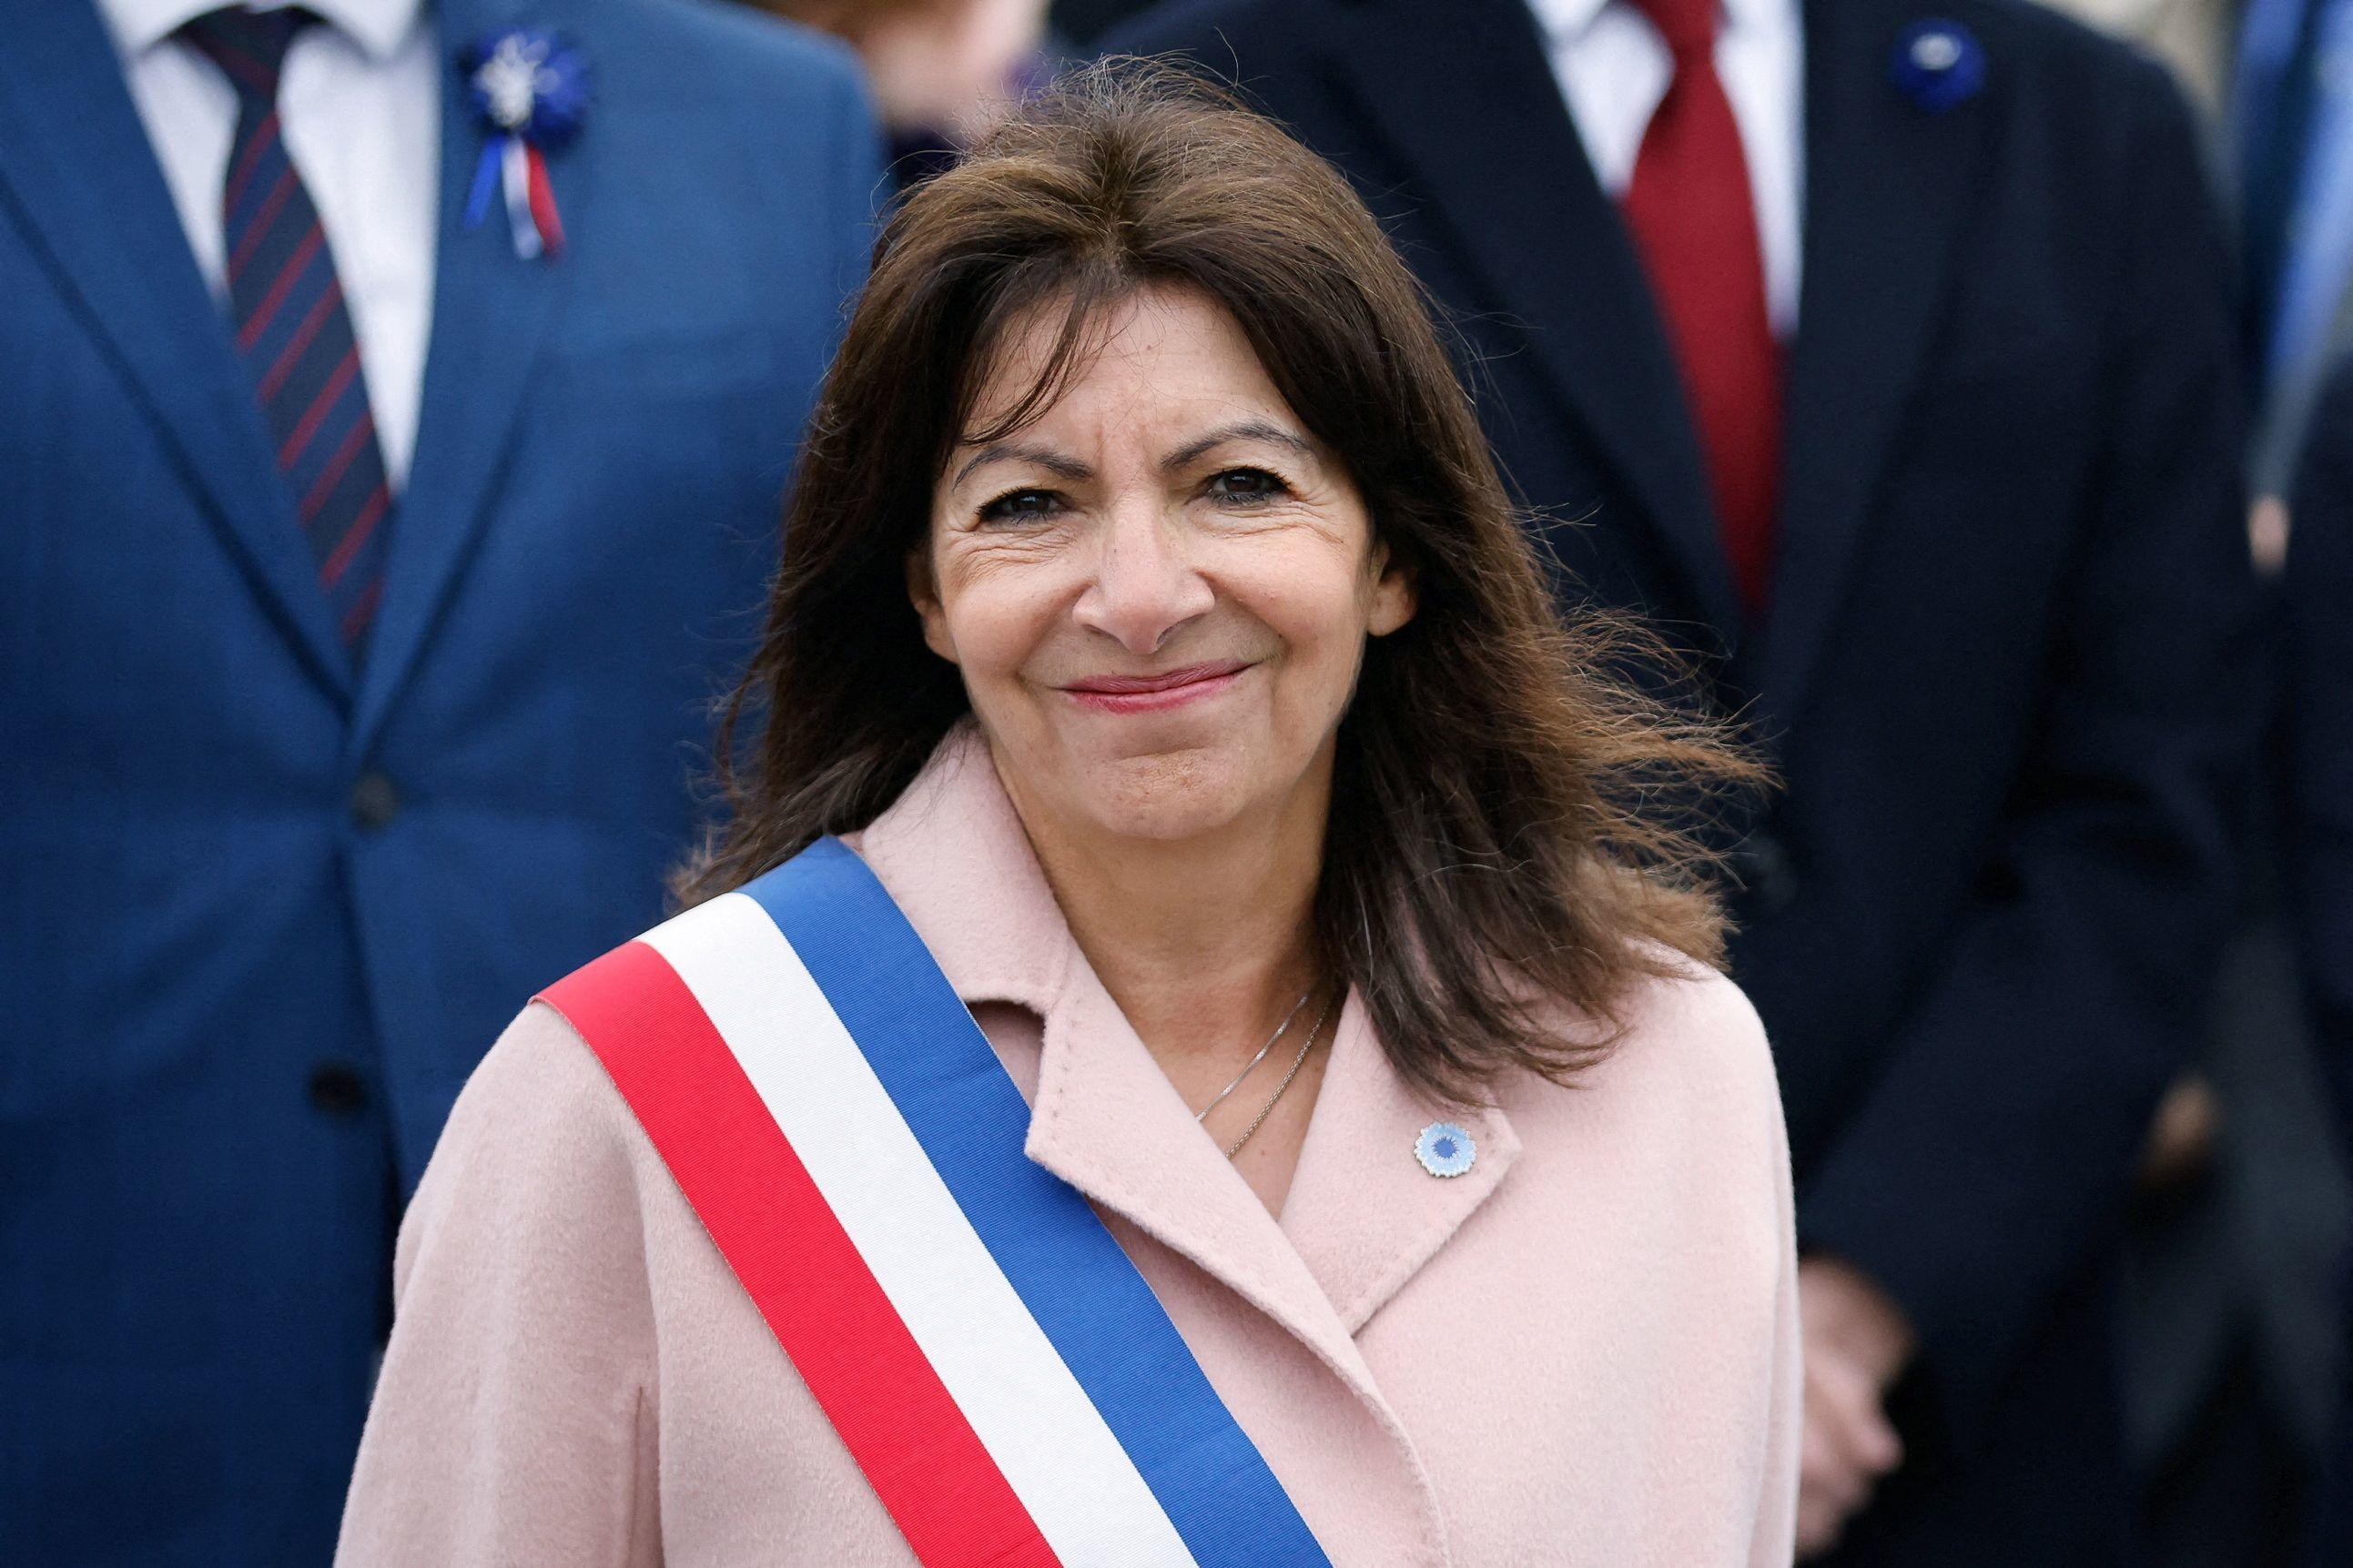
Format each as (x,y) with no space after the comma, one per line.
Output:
(378,27)
(1564,21)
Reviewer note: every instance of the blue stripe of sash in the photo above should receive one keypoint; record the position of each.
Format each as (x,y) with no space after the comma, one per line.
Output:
(1102,1319)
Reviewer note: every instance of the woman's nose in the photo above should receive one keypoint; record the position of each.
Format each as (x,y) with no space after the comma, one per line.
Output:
(1144,586)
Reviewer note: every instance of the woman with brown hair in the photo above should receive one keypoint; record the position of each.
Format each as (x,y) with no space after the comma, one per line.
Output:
(1198,1043)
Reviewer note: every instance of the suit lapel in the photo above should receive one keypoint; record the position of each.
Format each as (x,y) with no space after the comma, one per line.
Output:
(76,164)
(491,312)
(1441,82)
(1888,185)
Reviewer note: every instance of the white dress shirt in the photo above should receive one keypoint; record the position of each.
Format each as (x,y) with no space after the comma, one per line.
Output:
(1614,68)
(359,105)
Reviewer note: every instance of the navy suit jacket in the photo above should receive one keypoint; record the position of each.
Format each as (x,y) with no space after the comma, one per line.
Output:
(261,911)
(1999,670)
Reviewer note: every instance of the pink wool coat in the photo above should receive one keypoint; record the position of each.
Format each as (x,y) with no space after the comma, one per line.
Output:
(1582,1351)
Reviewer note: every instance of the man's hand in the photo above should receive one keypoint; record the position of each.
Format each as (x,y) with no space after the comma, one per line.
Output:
(1856,1343)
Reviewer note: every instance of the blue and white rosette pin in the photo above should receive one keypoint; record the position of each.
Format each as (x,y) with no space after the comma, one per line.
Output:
(530,89)
(1445,1149)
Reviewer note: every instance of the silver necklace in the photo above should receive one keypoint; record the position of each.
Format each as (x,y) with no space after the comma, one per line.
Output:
(1280,1030)
(1296,1063)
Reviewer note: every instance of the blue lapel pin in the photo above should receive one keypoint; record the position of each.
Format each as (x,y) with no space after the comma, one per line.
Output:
(1444,1149)
(1939,64)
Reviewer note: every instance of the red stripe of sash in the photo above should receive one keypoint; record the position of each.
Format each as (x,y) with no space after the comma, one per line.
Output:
(800,1268)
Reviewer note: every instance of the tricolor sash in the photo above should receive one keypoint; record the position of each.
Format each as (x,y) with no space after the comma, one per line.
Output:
(1000,1371)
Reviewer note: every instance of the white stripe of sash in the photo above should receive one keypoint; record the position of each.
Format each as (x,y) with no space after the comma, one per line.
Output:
(1087,1496)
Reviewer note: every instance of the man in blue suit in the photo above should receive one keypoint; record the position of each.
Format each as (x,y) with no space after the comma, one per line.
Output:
(383,505)
(1883,352)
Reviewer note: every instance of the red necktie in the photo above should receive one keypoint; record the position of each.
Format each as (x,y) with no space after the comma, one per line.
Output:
(1695,222)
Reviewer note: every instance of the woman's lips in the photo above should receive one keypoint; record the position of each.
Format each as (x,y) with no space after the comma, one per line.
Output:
(1154,693)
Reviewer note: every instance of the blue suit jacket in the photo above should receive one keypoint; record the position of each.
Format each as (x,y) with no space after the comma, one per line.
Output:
(260,912)
(2004,668)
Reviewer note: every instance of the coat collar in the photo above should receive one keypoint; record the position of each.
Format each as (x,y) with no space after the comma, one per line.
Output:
(956,860)
(1362,1211)
(1362,1216)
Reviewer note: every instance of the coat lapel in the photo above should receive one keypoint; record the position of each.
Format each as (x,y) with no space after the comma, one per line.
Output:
(1362,1216)
(1888,187)
(1107,1120)
(1463,94)
(1362,1213)
(76,164)
(491,312)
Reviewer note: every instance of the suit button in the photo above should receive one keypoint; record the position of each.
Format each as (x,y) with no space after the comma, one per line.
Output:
(376,801)
(337,1089)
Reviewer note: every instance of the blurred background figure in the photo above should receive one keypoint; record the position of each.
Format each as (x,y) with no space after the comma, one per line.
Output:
(398,406)
(2196,37)
(2292,137)
(942,71)
(1887,352)
(2319,580)
(2291,140)
(2237,1324)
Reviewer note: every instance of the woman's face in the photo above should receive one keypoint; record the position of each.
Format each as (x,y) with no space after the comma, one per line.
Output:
(1157,593)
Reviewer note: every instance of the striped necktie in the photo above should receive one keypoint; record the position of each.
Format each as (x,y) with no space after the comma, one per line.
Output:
(286,308)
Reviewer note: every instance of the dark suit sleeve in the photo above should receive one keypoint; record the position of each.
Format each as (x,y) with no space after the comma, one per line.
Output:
(2320,730)
(1989,1162)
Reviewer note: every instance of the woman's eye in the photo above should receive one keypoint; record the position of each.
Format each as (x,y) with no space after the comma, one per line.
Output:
(1021,506)
(1247,485)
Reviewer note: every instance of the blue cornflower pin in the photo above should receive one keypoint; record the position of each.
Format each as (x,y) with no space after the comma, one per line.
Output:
(1445,1150)
(1939,64)
(530,89)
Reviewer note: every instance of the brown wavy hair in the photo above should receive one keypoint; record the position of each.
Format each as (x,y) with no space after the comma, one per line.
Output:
(1512,819)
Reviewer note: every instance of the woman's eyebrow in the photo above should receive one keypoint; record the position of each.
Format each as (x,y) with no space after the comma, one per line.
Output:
(1243,430)
(1046,457)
